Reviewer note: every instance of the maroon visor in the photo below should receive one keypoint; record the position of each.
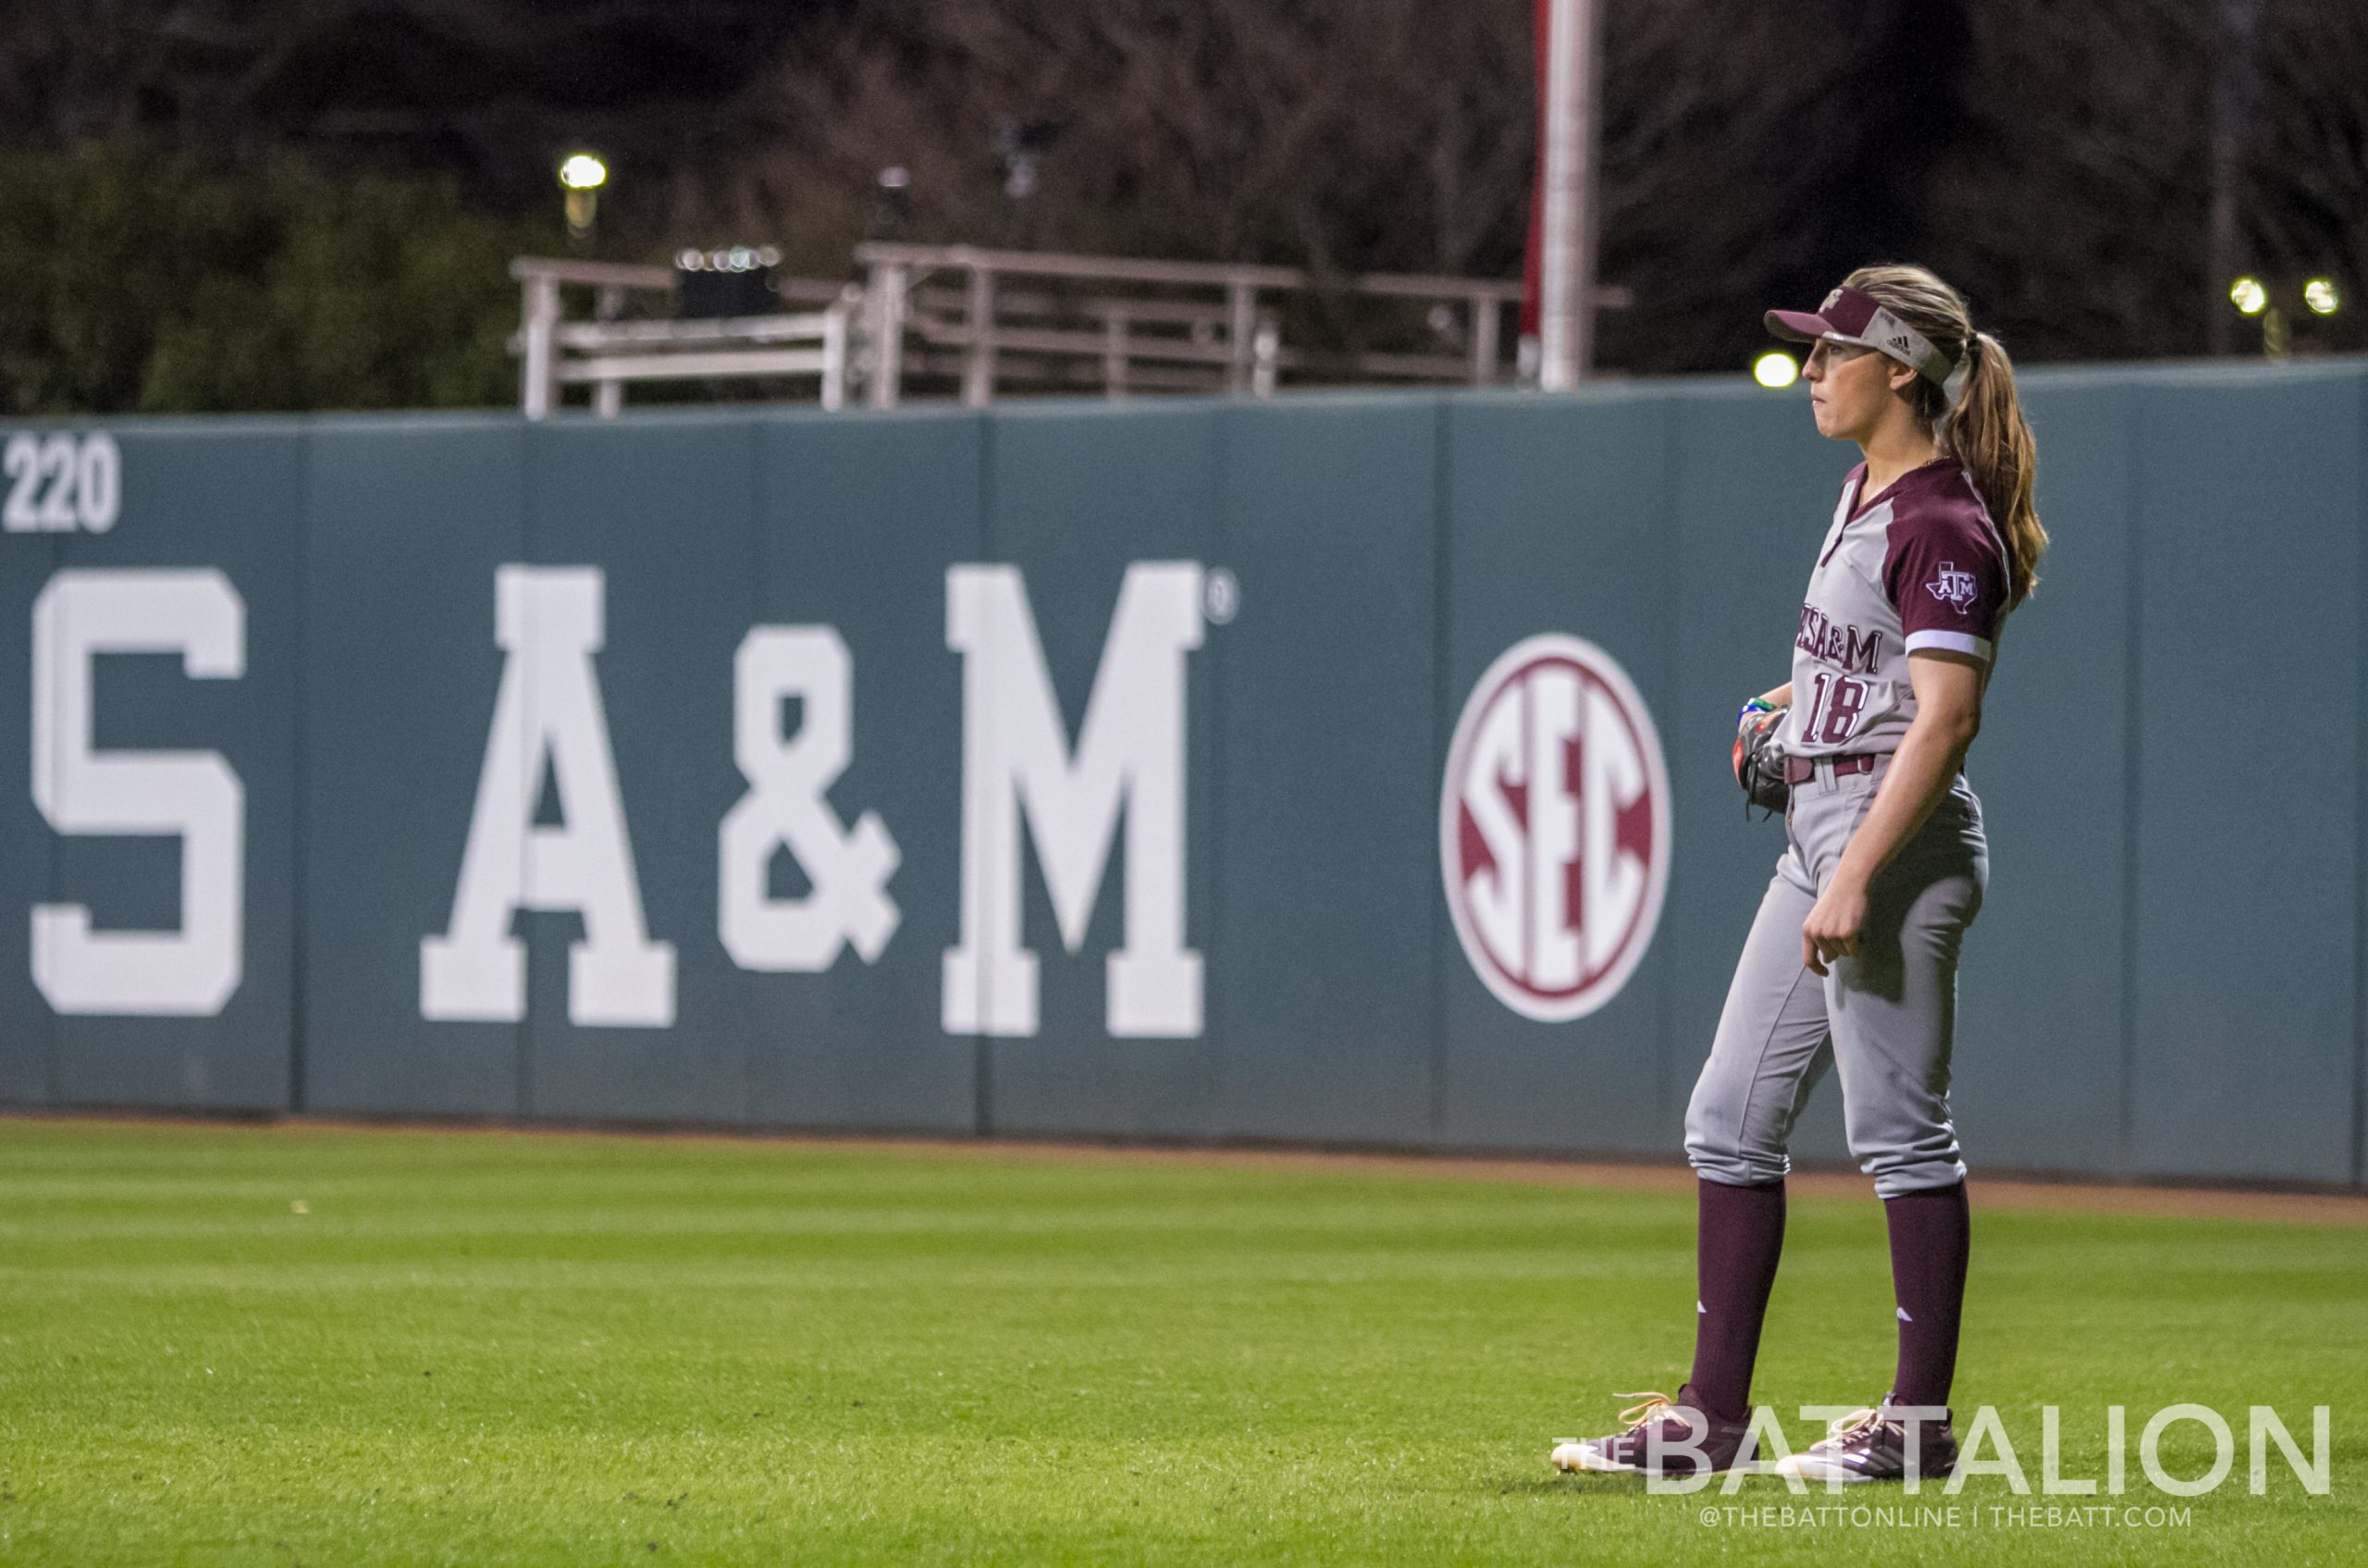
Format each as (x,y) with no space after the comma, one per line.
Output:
(1854,317)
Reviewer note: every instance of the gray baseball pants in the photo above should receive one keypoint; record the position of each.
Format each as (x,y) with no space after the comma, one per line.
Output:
(1886,1016)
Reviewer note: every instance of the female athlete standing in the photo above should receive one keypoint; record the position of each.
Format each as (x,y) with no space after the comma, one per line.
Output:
(1853,958)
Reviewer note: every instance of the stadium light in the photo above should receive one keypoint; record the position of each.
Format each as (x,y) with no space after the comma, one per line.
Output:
(2248,295)
(583,171)
(2320,294)
(581,175)
(1775,370)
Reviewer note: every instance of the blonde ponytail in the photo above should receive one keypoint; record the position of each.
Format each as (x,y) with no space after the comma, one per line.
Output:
(1987,432)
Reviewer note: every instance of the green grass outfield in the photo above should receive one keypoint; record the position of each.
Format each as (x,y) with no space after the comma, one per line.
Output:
(486,1348)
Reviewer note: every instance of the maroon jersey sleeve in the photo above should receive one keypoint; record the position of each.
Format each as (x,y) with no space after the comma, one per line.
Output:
(1945,571)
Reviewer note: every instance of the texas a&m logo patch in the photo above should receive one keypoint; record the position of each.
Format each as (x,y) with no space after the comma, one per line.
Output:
(1952,587)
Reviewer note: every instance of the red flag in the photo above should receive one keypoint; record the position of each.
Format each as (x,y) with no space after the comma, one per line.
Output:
(1545,21)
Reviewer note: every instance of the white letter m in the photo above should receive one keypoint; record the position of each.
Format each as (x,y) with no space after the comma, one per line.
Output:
(1016,757)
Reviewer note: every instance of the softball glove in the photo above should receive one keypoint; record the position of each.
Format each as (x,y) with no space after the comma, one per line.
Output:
(1759,758)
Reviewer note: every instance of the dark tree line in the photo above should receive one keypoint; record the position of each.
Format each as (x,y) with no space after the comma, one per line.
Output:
(487,92)
(136,280)
(2076,202)
(2056,158)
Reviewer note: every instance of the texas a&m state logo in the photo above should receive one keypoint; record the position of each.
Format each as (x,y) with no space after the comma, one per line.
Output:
(1953,586)
(1554,828)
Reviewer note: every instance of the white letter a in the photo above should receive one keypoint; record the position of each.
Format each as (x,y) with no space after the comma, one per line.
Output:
(549,622)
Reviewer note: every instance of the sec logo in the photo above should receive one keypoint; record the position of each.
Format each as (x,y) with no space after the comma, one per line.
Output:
(1554,828)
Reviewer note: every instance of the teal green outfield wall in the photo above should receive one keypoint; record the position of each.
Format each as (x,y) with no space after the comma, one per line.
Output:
(2167,979)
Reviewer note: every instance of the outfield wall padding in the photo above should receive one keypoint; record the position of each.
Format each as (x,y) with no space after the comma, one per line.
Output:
(2166,979)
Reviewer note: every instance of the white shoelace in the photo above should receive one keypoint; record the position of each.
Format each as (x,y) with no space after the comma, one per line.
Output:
(1636,1416)
(1850,1425)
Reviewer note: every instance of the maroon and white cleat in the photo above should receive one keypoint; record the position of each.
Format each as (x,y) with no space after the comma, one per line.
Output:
(1872,1445)
(1666,1437)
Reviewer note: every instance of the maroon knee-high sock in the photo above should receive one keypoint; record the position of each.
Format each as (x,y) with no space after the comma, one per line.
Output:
(1931,1236)
(1742,1235)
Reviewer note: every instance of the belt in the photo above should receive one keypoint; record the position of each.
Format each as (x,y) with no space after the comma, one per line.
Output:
(1801,770)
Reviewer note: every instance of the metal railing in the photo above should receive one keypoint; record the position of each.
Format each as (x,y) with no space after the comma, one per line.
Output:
(981,322)
(1122,333)
(608,352)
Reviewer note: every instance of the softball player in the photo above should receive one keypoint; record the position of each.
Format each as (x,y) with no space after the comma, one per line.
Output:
(1852,960)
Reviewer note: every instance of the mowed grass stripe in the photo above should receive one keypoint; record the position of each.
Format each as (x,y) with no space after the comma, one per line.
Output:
(490,1348)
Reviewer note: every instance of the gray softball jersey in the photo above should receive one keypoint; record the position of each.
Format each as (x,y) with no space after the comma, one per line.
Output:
(1921,566)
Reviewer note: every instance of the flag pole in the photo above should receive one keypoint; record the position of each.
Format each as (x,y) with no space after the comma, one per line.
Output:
(1572,78)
